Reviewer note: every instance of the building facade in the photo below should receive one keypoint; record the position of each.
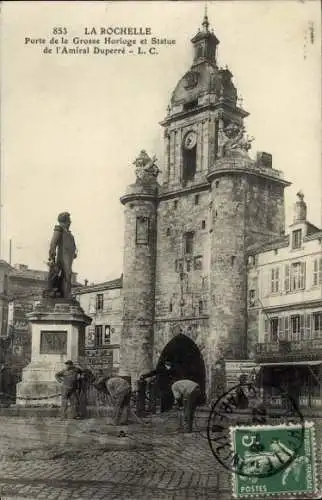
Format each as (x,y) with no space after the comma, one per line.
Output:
(285,309)
(103,303)
(187,238)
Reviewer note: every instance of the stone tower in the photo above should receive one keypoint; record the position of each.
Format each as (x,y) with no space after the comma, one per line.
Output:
(213,204)
(139,269)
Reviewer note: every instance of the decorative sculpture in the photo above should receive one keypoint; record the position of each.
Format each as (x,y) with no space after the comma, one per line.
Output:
(146,169)
(233,139)
(62,252)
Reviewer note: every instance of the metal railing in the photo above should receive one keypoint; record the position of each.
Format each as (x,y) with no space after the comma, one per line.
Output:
(290,346)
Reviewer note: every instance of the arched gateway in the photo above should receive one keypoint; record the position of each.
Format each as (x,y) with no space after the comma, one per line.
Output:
(185,356)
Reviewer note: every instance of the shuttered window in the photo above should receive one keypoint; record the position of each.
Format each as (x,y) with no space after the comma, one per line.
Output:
(275,280)
(281,322)
(287,278)
(287,328)
(266,326)
(297,276)
(308,326)
(317,272)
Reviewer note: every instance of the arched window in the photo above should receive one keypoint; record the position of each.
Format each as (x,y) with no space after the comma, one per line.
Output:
(189,156)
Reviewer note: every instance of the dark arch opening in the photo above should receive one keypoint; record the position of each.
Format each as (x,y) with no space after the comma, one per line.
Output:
(187,362)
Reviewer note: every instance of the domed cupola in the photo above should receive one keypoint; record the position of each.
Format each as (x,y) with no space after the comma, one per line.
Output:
(205,82)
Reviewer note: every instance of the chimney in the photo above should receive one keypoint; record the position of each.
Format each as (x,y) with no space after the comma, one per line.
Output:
(300,209)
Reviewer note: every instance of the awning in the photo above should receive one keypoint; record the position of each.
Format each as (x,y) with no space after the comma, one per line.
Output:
(294,363)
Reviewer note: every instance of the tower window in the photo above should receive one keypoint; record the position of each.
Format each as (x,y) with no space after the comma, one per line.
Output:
(251,298)
(168,231)
(188,242)
(142,230)
(170,307)
(203,224)
(179,265)
(197,199)
(200,307)
(197,263)
(189,164)
(190,104)
(217,184)
(175,204)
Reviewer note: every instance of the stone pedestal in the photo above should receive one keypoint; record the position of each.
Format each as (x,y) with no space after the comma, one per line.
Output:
(58,334)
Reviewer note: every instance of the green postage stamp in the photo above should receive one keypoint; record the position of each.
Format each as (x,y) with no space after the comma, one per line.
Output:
(274,460)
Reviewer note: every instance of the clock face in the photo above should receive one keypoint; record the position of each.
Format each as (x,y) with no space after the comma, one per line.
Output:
(190,140)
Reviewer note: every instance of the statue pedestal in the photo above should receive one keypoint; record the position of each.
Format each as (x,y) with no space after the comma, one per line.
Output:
(58,334)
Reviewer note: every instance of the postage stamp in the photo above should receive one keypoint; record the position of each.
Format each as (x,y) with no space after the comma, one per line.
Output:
(242,407)
(267,464)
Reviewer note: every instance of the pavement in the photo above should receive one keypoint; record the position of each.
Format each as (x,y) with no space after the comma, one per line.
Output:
(50,458)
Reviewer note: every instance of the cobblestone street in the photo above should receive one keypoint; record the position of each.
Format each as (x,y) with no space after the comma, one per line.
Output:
(48,458)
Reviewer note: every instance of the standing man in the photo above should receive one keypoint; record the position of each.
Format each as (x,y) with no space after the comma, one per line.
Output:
(69,379)
(163,375)
(187,393)
(62,252)
(85,379)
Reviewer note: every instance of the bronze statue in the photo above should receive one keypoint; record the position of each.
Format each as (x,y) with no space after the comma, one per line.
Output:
(62,252)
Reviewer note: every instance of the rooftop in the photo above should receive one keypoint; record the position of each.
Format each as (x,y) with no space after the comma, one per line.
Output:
(100,287)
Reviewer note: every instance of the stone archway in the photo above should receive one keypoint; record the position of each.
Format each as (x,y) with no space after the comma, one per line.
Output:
(186,359)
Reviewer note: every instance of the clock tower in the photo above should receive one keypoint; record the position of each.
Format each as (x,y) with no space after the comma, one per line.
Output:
(190,276)
(204,99)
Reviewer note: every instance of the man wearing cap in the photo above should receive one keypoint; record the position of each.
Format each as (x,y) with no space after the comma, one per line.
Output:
(187,393)
(62,252)
(69,379)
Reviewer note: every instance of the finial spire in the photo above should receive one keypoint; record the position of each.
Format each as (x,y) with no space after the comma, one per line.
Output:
(205,22)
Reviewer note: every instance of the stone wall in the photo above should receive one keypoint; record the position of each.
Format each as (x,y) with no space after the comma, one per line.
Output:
(138,291)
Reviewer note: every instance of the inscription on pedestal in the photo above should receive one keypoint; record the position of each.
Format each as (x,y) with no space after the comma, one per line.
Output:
(54,342)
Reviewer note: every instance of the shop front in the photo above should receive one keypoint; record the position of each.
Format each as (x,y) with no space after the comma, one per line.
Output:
(300,380)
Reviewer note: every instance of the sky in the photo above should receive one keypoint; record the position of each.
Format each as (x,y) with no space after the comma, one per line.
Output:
(72,125)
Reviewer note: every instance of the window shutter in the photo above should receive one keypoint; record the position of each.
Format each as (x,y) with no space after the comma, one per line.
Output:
(315,272)
(308,326)
(286,327)
(266,325)
(287,278)
(281,327)
(320,271)
(302,277)
(266,282)
(266,329)
(302,326)
(277,279)
(272,280)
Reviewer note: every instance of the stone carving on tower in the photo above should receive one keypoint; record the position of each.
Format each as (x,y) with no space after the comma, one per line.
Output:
(233,139)
(146,169)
